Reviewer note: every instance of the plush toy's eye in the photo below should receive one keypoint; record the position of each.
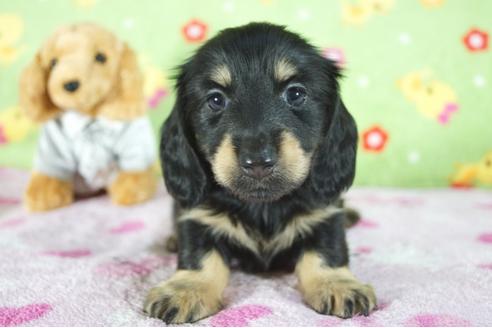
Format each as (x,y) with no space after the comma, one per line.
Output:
(216,101)
(100,58)
(53,62)
(295,95)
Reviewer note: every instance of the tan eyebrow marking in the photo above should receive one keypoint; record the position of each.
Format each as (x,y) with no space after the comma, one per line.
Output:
(222,76)
(284,70)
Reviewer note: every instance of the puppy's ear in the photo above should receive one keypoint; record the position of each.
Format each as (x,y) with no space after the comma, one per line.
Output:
(184,174)
(126,100)
(333,167)
(33,94)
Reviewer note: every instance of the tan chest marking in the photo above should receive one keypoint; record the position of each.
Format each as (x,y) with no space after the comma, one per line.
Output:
(299,226)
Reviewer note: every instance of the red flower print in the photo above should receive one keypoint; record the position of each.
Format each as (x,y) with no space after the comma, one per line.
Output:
(194,31)
(335,54)
(476,40)
(461,185)
(374,139)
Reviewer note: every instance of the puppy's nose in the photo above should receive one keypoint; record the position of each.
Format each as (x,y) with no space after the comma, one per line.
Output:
(259,166)
(71,86)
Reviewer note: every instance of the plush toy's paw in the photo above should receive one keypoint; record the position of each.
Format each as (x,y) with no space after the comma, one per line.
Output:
(341,298)
(133,187)
(182,300)
(46,193)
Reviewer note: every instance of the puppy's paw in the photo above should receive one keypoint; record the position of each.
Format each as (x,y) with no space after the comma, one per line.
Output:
(182,300)
(131,188)
(343,298)
(45,193)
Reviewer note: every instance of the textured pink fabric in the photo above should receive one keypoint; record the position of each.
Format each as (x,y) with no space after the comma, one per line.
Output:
(14,316)
(10,223)
(363,249)
(73,253)
(487,266)
(486,238)
(426,252)
(365,223)
(437,320)
(9,201)
(129,226)
(239,316)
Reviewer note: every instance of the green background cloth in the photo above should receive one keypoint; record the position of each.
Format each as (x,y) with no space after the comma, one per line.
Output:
(412,134)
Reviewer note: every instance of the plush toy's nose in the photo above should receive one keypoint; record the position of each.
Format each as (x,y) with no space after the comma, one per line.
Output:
(71,86)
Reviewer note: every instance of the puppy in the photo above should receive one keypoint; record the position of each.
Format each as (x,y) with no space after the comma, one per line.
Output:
(256,152)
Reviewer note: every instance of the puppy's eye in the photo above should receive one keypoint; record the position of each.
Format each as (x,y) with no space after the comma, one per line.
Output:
(295,95)
(216,101)
(100,58)
(53,63)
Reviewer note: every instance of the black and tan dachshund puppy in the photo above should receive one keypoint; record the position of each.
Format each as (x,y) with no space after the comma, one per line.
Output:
(256,152)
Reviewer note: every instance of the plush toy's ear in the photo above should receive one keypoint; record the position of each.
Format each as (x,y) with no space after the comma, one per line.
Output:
(33,94)
(126,100)
(184,173)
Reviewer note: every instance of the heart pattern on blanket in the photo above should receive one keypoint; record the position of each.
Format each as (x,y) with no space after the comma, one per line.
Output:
(129,226)
(485,238)
(11,223)
(14,316)
(436,320)
(9,201)
(487,266)
(329,321)
(127,268)
(73,253)
(239,316)
(363,250)
(365,223)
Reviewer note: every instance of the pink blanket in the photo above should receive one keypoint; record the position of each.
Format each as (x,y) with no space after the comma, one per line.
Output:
(427,253)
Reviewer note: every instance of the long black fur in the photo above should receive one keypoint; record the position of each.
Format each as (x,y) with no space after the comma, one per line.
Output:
(190,135)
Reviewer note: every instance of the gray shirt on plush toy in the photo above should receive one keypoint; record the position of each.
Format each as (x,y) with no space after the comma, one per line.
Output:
(91,151)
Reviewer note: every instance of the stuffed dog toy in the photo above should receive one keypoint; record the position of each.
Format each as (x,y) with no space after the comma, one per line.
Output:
(256,153)
(85,86)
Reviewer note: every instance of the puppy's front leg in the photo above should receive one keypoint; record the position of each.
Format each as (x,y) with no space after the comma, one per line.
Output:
(195,290)
(326,283)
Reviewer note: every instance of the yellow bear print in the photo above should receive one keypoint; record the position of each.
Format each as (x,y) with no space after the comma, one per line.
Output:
(467,175)
(11,29)
(360,11)
(430,4)
(433,98)
(85,4)
(14,125)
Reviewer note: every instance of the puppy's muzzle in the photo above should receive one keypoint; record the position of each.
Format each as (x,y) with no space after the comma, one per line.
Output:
(257,162)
